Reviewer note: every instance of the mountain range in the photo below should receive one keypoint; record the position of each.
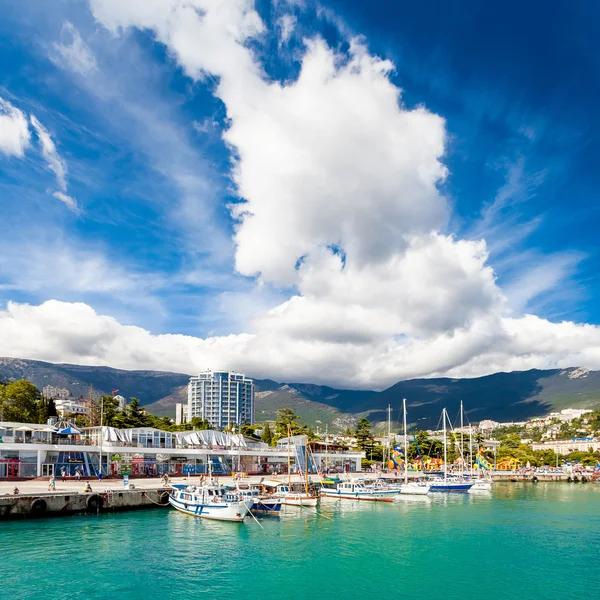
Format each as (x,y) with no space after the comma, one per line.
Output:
(502,397)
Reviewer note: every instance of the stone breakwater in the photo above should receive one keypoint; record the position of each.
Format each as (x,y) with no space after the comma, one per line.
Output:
(71,503)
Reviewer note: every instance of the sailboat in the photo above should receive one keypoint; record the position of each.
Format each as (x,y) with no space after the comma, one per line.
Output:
(449,484)
(290,496)
(479,484)
(415,488)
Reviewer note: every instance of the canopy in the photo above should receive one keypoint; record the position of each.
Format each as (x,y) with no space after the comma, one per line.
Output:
(23,428)
(112,434)
(71,430)
(210,437)
(48,429)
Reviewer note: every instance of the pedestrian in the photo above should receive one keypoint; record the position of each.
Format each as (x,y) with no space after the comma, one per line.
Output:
(52,484)
(16,491)
(88,487)
(78,475)
(99,475)
(63,473)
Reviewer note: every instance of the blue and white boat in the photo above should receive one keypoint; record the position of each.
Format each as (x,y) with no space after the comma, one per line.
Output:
(210,501)
(450,484)
(262,503)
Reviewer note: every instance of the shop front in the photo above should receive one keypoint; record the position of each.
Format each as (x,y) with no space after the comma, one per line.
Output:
(9,466)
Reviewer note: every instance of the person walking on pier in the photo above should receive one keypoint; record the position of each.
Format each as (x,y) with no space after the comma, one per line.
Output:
(52,484)
(78,475)
(63,473)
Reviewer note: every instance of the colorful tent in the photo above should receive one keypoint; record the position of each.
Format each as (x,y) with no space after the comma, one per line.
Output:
(510,464)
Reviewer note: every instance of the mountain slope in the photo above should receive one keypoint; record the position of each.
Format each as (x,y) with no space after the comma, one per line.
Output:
(502,396)
(148,386)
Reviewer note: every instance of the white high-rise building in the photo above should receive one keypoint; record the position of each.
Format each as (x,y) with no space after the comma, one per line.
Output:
(222,398)
(180,414)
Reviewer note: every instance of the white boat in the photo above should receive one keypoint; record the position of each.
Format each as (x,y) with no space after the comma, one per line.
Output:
(414,488)
(210,501)
(481,485)
(289,496)
(354,490)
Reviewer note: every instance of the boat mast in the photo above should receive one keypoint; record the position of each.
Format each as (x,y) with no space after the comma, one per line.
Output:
(289,431)
(461,438)
(389,433)
(405,443)
(445,446)
(471,449)
(326,449)
(306,467)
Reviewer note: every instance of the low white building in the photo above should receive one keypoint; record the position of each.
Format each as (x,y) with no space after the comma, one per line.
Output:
(32,450)
(72,406)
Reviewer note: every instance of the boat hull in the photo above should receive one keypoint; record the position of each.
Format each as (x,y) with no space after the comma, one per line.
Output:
(451,487)
(414,490)
(365,496)
(225,511)
(264,506)
(298,500)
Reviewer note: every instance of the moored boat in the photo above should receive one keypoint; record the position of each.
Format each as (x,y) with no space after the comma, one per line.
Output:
(354,490)
(262,503)
(210,501)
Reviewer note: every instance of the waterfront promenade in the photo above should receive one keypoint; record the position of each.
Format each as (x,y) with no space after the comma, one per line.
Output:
(40,486)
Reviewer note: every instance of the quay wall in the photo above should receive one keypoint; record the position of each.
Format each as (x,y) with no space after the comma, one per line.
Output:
(52,504)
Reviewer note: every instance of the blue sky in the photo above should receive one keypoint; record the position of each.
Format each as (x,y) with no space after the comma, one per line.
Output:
(159,143)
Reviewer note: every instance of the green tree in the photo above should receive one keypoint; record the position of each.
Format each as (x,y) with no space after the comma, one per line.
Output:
(20,402)
(364,437)
(286,418)
(198,423)
(267,436)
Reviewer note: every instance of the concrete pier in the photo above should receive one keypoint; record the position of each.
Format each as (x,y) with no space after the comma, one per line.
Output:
(51,504)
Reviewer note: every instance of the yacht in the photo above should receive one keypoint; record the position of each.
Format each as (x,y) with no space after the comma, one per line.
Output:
(210,501)
(355,490)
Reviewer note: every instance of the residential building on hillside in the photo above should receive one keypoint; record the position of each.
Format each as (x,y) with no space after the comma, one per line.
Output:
(68,406)
(54,393)
(222,398)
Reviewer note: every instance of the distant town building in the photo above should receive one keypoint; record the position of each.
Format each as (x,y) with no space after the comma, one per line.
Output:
(53,393)
(122,402)
(180,413)
(487,426)
(68,406)
(222,398)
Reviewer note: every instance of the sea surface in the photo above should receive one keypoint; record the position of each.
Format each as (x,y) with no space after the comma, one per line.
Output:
(523,541)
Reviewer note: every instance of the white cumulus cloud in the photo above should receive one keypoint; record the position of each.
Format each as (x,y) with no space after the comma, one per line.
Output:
(14,130)
(339,201)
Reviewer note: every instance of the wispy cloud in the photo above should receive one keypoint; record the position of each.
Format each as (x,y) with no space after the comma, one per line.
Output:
(73,52)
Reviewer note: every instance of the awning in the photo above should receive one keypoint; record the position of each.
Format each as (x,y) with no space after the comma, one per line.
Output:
(71,430)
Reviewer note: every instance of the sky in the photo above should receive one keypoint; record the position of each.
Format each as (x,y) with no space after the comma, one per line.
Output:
(343,193)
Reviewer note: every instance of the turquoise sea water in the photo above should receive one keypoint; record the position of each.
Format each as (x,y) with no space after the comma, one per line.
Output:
(525,541)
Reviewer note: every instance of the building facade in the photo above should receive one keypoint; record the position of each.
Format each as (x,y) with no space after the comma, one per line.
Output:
(222,398)
(180,413)
(33,450)
(54,393)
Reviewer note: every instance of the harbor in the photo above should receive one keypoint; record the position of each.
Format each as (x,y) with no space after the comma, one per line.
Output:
(471,541)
